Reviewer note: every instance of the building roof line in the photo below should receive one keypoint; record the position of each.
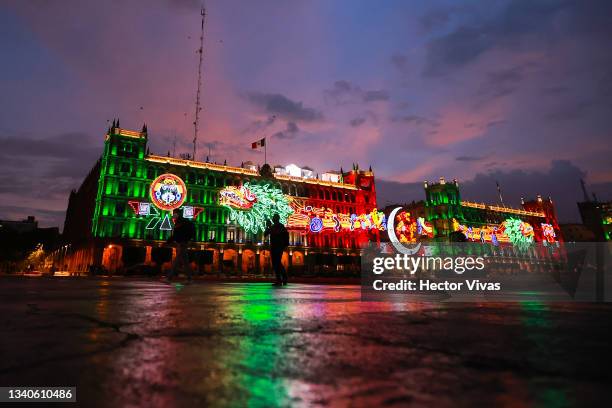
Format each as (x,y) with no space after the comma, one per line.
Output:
(200,165)
(240,170)
(504,209)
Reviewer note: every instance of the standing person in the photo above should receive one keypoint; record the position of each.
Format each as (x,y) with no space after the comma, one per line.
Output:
(279,239)
(183,233)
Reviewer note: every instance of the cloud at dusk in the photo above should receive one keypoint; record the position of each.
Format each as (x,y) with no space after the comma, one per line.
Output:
(516,91)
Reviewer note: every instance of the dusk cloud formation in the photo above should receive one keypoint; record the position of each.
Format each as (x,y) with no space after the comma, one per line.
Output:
(278,104)
(516,90)
(344,92)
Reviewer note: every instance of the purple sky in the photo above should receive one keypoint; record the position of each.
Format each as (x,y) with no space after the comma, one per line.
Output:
(515,91)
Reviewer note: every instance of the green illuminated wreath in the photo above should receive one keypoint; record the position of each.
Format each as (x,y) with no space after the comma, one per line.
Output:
(519,232)
(252,206)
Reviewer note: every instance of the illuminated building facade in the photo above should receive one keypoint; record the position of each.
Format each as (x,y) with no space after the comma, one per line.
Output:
(120,217)
(597,217)
(443,215)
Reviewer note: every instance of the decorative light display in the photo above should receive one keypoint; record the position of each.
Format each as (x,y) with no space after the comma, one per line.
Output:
(168,192)
(408,229)
(152,223)
(252,206)
(162,220)
(550,237)
(487,233)
(391,231)
(512,230)
(316,225)
(188,211)
(143,208)
(424,228)
(237,197)
(166,225)
(320,219)
(519,232)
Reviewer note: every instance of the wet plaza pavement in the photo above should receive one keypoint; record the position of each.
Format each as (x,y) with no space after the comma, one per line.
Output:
(143,343)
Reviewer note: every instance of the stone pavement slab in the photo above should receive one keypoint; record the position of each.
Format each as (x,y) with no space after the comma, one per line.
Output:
(137,342)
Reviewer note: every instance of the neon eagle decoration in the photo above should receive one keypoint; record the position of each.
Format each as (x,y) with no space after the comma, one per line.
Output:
(520,232)
(252,205)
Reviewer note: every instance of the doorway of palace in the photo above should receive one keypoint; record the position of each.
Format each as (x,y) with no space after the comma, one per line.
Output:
(248,262)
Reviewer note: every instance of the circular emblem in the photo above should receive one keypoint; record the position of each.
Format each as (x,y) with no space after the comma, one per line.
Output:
(168,192)
(316,224)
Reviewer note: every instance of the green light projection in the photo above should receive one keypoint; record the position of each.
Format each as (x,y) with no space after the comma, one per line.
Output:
(252,206)
(519,232)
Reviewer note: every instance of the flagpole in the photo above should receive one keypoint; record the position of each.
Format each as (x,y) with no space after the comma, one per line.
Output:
(265,151)
(501,198)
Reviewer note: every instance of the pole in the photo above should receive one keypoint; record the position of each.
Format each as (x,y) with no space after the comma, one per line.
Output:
(196,122)
(265,151)
(501,199)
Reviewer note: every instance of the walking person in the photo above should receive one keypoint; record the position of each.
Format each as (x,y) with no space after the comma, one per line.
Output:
(182,235)
(279,240)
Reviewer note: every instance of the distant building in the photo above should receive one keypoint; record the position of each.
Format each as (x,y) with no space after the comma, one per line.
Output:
(28,225)
(19,238)
(249,165)
(577,233)
(596,215)
(331,175)
(444,213)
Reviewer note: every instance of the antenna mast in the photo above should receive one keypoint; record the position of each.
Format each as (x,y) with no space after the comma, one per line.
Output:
(196,122)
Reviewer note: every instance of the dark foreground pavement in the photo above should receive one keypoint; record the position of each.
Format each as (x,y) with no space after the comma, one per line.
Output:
(144,343)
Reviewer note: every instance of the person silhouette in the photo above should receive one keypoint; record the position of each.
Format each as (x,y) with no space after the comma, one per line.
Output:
(279,240)
(183,234)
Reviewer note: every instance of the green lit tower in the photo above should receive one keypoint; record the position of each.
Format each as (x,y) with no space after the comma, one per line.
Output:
(442,203)
(122,174)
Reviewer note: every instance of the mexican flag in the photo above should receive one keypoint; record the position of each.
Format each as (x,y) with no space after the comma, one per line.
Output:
(259,143)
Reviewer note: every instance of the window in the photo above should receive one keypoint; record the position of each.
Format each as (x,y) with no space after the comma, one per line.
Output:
(119,209)
(211,235)
(123,187)
(125,167)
